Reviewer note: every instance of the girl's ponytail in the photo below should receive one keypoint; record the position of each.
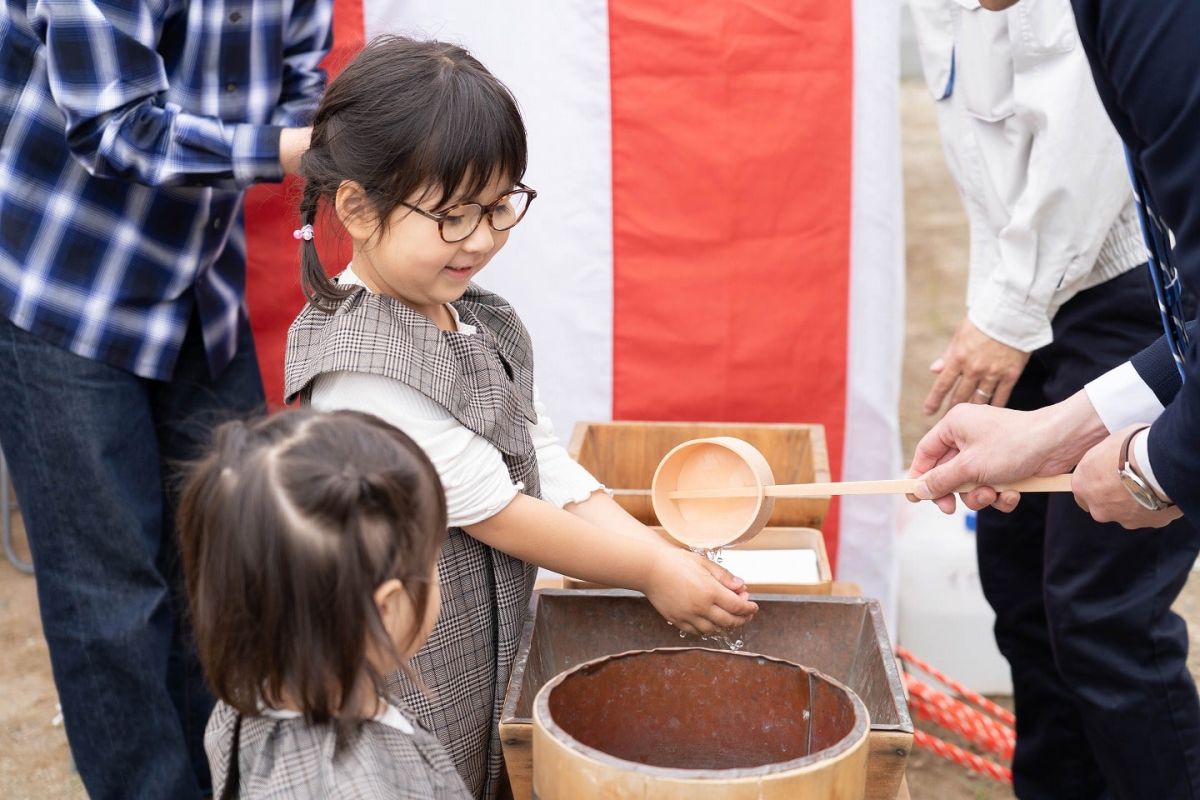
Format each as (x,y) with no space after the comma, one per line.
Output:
(318,289)
(329,500)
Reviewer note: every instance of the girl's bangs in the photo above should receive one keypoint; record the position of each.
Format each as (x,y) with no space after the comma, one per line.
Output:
(476,137)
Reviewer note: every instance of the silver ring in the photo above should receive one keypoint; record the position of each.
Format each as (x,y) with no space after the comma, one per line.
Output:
(983,394)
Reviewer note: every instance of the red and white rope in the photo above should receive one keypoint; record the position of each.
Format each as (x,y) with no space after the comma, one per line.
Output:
(986,732)
(993,733)
(962,757)
(1000,713)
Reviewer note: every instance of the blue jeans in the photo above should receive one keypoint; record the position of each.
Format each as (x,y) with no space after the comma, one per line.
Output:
(94,453)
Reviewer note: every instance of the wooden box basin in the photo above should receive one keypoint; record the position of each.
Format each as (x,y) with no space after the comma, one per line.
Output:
(624,456)
(841,637)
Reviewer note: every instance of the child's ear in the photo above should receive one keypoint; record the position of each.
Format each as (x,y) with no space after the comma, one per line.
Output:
(397,612)
(391,600)
(354,210)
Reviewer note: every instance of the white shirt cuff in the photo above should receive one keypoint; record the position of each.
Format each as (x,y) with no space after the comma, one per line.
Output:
(1141,452)
(1121,398)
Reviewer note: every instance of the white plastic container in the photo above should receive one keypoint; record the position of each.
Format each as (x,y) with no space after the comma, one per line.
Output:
(943,616)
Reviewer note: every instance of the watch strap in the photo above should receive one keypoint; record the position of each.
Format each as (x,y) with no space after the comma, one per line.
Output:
(1127,467)
(1124,463)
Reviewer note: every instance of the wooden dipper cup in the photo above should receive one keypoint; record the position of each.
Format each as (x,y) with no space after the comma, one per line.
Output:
(710,493)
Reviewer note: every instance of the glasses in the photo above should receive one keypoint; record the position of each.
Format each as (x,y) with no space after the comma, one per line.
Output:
(459,221)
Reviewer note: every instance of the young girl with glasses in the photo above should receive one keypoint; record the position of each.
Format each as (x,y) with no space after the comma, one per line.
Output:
(418,152)
(309,545)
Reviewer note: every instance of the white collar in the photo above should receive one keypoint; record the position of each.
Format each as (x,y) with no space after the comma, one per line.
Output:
(349,278)
(390,716)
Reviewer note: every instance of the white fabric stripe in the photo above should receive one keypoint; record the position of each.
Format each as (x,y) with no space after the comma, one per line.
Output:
(1141,453)
(866,553)
(1121,398)
(557,267)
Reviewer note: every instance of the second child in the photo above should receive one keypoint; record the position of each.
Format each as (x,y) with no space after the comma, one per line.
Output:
(309,545)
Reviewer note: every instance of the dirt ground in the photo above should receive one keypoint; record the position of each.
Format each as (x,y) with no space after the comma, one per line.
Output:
(34,762)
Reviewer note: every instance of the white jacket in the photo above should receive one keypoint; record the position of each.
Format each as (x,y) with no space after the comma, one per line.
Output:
(1038,165)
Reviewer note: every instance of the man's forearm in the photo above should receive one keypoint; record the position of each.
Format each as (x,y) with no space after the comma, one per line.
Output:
(1065,432)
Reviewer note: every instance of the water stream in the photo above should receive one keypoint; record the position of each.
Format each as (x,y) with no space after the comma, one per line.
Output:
(727,637)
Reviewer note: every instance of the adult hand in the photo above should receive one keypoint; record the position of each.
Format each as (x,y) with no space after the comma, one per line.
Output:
(1099,491)
(986,447)
(292,144)
(975,368)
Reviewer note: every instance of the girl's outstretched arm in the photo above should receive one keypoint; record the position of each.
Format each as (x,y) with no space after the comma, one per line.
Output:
(604,512)
(691,592)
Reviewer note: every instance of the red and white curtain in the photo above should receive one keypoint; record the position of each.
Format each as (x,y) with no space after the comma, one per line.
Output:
(718,229)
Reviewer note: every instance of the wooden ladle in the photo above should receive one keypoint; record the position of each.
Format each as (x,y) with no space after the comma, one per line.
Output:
(710,493)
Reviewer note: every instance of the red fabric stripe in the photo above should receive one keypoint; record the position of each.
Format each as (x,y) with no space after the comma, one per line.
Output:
(272,264)
(731,127)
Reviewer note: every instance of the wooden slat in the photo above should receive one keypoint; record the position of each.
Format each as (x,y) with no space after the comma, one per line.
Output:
(887,759)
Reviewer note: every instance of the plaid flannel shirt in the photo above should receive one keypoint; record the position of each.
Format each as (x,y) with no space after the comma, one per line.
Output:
(128,131)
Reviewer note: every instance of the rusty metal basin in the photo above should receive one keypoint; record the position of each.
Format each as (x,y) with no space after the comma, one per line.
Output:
(700,709)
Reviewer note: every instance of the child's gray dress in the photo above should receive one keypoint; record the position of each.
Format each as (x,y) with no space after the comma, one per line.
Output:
(289,759)
(486,381)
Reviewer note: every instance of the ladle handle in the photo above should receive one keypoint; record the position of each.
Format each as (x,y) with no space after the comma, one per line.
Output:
(1054,483)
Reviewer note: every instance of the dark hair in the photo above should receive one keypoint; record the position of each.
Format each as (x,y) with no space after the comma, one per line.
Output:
(287,527)
(406,116)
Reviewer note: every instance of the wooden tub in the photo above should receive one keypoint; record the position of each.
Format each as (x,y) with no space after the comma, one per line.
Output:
(841,637)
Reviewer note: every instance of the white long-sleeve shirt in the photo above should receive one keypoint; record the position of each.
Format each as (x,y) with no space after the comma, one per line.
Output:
(471,469)
(1038,165)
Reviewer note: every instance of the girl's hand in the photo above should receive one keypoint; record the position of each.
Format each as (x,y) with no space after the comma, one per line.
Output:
(696,595)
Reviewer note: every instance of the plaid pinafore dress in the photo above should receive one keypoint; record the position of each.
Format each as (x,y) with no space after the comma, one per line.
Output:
(485,381)
(291,759)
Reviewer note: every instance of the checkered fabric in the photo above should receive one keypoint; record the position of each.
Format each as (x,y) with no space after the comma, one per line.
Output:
(289,759)
(128,131)
(486,381)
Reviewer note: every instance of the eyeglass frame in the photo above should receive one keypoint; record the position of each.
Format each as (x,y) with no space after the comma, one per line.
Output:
(485,211)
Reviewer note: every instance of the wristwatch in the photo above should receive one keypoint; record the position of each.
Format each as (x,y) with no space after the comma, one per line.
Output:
(1136,485)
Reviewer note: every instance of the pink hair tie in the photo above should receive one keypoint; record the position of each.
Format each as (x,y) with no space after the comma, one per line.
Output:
(305,233)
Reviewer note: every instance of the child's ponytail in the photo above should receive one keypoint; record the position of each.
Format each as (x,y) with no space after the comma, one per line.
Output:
(287,528)
(318,289)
